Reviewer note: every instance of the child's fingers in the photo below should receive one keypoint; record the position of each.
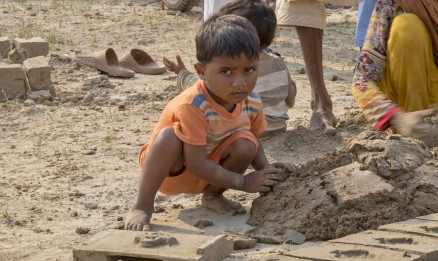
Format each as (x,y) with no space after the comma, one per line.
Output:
(179,60)
(275,177)
(167,62)
(287,166)
(271,182)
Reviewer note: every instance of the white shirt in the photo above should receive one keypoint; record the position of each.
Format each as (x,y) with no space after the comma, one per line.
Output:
(212,6)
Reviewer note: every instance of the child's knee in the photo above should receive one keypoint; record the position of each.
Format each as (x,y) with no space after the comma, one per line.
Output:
(243,148)
(167,136)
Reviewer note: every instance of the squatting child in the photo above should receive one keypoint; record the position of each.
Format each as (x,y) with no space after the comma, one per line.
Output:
(274,84)
(206,137)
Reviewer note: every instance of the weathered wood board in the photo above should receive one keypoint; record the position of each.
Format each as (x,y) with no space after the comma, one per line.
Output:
(125,245)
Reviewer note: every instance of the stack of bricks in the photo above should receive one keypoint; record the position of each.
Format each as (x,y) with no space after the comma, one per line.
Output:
(16,79)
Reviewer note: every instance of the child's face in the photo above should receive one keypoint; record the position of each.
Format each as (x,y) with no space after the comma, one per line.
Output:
(229,80)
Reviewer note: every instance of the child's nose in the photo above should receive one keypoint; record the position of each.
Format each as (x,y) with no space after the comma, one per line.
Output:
(239,81)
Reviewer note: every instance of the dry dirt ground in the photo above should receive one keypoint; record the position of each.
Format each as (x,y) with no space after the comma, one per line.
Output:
(69,169)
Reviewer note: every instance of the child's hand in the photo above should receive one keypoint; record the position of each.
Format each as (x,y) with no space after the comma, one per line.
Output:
(172,66)
(288,167)
(261,181)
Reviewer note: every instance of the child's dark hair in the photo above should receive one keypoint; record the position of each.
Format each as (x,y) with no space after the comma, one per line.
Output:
(258,13)
(228,35)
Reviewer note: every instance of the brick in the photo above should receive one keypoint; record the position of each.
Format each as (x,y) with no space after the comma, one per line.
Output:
(5,46)
(420,245)
(36,46)
(12,83)
(414,226)
(38,74)
(329,251)
(352,183)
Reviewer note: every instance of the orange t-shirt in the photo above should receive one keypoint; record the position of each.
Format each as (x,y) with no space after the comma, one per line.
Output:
(198,120)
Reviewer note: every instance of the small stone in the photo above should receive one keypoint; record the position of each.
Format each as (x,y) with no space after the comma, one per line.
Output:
(175,206)
(241,243)
(203,223)
(120,226)
(158,241)
(122,107)
(89,152)
(28,103)
(91,205)
(301,71)
(159,210)
(38,230)
(82,230)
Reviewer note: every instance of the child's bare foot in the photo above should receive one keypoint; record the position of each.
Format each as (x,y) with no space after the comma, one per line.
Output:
(139,220)
(219,203)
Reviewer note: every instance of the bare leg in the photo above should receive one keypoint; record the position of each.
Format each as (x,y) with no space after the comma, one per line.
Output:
(237,158)
(321,104)
(154,170)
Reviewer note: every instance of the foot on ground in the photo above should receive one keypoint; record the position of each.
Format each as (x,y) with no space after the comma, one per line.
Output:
(325,121)
(219,203)
(139,220)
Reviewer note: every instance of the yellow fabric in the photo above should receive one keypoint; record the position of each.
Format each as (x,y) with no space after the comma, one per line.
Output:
(411,77)
(427,10)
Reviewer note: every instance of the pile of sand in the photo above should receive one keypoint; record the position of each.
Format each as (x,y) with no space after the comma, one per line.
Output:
(376,180)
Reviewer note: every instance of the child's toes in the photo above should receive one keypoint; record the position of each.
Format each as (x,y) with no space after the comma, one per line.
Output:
(238,209)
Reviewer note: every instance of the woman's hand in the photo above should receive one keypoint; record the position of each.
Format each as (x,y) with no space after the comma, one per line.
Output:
(412,124)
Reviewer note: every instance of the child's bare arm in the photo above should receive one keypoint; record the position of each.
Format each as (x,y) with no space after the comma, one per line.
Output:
(261,162)
(198,163)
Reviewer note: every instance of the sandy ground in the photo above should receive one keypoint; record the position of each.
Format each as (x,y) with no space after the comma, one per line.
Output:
(69,168)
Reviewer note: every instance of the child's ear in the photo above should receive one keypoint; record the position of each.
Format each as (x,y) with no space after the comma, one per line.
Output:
(200,70)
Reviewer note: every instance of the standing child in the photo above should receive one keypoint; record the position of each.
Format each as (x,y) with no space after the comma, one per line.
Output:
(274,84)
(206,137)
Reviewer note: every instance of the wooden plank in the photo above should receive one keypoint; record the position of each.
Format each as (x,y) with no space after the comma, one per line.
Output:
(431,217)
(414,226)
(329,251)
(122,244)
(403,242)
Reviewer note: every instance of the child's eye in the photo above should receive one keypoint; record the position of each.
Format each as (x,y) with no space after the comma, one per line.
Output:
(249,70)
(225,71)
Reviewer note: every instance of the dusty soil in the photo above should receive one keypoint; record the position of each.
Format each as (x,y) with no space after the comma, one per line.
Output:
(69,167)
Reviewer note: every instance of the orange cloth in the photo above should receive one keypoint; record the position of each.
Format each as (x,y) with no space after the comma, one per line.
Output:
(198,120)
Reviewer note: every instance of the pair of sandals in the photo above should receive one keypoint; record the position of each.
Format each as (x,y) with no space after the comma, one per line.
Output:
(136,60)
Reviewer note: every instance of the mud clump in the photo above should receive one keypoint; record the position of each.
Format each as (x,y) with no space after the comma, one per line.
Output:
(378,179)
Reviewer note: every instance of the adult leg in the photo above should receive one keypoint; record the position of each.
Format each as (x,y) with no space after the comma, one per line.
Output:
(237,158)
(321,104)
(166,146)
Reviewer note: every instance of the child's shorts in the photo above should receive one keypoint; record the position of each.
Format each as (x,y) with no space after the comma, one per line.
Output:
(189,183)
